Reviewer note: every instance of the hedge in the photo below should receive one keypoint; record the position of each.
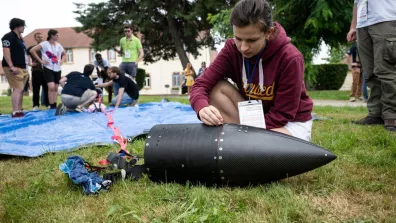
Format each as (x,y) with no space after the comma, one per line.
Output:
(140,77)
(327,76)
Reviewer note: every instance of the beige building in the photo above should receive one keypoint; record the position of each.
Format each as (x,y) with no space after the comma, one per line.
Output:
(3,81)
(159,76)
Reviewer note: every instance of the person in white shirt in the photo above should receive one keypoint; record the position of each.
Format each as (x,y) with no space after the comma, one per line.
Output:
(53,56)
(101,66)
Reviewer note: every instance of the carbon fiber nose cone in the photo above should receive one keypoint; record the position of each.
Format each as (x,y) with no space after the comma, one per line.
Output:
(233,155)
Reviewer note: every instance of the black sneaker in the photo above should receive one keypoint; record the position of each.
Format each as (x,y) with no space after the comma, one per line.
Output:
(390,125)
(369,121)
(60,110)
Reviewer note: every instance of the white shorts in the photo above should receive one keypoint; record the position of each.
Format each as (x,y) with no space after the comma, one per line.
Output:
(300,130)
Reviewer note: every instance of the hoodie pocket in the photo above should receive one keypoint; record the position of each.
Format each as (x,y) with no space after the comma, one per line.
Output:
(390,50)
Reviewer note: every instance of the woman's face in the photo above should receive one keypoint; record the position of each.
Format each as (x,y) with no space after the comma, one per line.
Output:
(250,40)
(55,37)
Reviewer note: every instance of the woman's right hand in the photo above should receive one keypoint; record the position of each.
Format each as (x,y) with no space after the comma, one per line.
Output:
(44,62)
(210,116)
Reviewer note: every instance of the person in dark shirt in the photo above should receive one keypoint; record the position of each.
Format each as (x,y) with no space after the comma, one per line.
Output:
(202,69)
(128,92)
(78,89)
(37,76)
(14,64)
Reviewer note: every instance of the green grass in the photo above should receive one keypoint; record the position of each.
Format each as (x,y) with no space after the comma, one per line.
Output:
(359,186)
(329,95)
(5,102)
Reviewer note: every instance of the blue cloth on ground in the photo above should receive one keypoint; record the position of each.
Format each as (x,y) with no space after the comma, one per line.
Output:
(40,132)
(75,168)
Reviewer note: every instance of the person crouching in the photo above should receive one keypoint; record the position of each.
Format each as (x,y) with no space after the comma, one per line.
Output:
(78,89)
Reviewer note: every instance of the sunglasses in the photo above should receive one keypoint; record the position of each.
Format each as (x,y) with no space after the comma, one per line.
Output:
(127,31)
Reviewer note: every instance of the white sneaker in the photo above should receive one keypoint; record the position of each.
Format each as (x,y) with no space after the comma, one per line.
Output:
(35,108)
(352,99)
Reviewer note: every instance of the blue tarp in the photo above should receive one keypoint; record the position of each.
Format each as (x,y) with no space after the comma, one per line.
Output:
(41,132)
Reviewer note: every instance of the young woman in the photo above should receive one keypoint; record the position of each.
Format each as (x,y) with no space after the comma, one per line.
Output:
(189,73)
(265,67)
(53,56)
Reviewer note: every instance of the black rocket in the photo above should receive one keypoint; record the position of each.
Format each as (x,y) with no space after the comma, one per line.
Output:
(227,155)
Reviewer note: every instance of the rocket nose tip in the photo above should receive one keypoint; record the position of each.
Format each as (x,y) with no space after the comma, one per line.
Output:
(330,156)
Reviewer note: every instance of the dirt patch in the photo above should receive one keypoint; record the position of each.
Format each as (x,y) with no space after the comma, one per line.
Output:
(343,206)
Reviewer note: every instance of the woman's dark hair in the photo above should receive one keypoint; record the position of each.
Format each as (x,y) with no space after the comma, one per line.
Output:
(88,69)
(248,12)
(15,23)
(51,32)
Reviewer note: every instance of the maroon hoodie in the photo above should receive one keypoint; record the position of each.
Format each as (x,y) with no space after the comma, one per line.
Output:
(284,97)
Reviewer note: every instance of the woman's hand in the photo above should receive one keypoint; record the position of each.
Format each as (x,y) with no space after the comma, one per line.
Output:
(210,116)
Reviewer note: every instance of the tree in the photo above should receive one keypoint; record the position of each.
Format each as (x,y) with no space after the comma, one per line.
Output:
(169,27)
(337,53)
(307,22)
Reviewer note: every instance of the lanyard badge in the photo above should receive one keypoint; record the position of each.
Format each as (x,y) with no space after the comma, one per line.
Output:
(251,112)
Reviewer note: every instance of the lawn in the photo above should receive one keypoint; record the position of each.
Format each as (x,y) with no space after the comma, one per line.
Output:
(5,103)
(359,186)
(329,95)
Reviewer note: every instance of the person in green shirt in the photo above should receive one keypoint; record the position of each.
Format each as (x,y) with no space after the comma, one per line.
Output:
(131,52)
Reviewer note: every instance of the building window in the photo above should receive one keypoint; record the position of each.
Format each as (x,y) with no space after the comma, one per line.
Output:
(69,55)
(112,55)
(176,79)
(147,81)
(92,54)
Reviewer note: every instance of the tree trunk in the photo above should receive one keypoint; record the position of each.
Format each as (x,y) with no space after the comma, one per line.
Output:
(177,41)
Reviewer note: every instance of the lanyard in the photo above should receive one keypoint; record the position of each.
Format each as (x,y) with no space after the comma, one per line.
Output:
(127,42)
(250,75)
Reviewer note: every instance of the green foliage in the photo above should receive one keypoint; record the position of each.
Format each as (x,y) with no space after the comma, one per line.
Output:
(140,77)
(330,76)
(337,53)
(310,76)
(307,22)
(168,27)
(221,25)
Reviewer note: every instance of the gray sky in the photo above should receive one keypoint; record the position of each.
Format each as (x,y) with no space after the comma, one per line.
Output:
(39,14)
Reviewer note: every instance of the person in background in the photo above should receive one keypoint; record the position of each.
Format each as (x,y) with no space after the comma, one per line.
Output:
(52,58)
(102,65)
(78,90)
(353,61)
(374,26)
(189,74)
(128,92)
(131,52)
(14,64)
(37,80)
(201,69)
